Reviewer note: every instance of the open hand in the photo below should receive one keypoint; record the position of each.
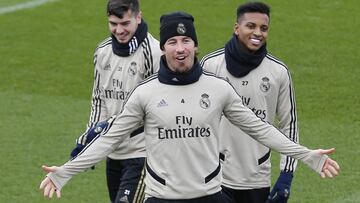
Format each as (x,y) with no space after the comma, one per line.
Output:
(47,185)
(331,168)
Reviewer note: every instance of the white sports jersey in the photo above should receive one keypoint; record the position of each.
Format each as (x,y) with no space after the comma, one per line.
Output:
(182,136)
(115,77)
(267,90)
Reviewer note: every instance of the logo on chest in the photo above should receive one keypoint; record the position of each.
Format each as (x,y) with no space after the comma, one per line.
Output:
(265,84)
(132,69)
(205,101)
(162,103)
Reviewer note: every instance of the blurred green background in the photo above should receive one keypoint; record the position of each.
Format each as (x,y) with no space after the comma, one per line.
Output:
(46,72)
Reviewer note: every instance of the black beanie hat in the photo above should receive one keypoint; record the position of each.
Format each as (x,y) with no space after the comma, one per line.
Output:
(177,24)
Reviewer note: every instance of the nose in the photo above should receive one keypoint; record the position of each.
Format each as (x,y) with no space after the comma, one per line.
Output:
(180,47)
(257,32)
(119,29)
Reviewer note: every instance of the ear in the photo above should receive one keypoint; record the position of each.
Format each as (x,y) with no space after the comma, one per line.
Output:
(138,17)
(236,27)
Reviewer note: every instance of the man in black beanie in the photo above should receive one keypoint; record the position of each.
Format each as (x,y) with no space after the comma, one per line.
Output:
(178,32)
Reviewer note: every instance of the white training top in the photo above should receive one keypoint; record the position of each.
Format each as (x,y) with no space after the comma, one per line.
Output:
(115,77)
(182,136)
(267,90)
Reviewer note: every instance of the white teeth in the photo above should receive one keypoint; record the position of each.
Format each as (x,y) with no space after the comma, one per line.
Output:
(255,41)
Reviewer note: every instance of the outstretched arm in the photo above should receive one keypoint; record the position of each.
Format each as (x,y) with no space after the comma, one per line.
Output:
(271,137)
(119,128)
(47,185)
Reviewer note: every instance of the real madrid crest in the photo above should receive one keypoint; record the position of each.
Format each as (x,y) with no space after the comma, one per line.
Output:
(265,84)
(181,29)
(205,101)
(132,69)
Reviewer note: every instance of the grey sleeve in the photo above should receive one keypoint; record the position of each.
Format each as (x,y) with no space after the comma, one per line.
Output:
(119,128)
(268,135)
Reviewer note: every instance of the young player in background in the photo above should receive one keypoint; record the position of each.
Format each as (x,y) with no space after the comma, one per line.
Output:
(122,60)
(265,86)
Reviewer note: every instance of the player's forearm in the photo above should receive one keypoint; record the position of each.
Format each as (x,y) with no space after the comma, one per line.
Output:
(271,137)
(283,145)
(97,150)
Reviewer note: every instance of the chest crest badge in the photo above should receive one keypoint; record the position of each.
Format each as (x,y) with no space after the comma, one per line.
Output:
(265,84)
(132,69)
(205,101)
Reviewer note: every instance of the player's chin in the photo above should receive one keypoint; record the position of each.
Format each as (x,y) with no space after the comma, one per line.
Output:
(254,47)
(123,39)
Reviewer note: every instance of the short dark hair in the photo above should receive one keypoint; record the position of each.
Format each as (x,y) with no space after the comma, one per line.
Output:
(119,7)
(252,7)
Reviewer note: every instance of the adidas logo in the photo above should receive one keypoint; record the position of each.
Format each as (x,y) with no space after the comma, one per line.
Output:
(162,103)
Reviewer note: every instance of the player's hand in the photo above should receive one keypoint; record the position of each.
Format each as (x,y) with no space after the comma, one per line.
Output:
(330,168)
(281,190)
(47,185)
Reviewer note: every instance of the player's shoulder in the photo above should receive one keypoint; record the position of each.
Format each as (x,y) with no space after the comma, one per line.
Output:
(146,86)
(104,47)
(150,42)
(219,84)
(213,56)
(107,42)
(151,45)
(151,38)
(151,80)
(275,61)
(211,76)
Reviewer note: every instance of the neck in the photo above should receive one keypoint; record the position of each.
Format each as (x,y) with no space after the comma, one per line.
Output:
(172,77)
(240,60)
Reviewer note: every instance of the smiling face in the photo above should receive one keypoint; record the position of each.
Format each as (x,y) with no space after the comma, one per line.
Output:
(124,28)
(252,30)
(180,53)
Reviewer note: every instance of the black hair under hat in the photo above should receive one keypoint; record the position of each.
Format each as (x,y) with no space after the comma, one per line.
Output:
(177,24)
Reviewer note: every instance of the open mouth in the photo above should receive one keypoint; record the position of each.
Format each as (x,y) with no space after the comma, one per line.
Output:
(180,58)
(255,41)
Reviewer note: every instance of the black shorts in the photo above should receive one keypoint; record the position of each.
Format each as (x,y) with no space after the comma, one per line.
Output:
(125,180)
(246,196)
